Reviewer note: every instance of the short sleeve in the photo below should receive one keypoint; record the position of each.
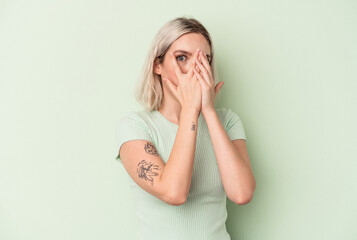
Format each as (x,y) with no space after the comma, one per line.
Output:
(131,127)
(234,126)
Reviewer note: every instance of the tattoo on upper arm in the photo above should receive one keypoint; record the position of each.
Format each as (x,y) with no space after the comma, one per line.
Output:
(146,171)
(150,148)
(193,126)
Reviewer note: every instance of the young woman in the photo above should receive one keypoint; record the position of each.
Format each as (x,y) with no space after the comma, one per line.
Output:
(184,157)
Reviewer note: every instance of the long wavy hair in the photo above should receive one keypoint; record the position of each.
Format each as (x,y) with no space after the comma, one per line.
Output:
(149,91)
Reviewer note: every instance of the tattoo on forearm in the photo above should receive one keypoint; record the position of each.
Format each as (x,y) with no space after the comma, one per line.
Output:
(150,149)
(193,126)
(146,171)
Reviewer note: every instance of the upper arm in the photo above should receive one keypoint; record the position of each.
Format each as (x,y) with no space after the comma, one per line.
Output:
(140,157)
(144,165)
(241,146)
(236,133)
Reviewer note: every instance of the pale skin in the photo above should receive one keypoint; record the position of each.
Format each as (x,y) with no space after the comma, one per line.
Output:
(232,156)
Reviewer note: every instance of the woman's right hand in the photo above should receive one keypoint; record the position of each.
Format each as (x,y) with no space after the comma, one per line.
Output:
(188,89)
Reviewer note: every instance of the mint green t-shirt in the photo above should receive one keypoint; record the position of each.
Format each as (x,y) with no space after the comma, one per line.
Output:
(203,215)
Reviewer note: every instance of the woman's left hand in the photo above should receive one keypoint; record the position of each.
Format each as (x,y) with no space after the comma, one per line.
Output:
(206,79)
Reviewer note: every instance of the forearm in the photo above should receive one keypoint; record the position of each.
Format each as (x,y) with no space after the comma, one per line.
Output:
(177,173)
(237,176)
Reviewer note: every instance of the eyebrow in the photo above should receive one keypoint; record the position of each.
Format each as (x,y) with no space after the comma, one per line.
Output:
(190,54)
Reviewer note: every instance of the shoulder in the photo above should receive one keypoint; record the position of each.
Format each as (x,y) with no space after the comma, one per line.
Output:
(222,112)
(135,116)
(133,120)
(232,123)
(226,114)
(131,126)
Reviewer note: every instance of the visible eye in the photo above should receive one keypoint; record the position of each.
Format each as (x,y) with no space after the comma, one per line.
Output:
(180,57)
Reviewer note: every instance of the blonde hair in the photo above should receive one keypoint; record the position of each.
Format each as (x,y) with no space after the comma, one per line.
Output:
(149,91)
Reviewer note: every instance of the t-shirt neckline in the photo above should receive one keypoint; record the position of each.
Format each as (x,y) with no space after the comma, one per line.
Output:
(171,123)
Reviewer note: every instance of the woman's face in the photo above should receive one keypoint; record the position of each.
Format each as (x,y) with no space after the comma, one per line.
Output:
(183,49)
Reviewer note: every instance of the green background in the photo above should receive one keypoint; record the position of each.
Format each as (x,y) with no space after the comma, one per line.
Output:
(67,74)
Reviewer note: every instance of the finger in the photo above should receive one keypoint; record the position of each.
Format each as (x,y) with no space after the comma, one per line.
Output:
(193,63)
(206,64)
(175,66)
(200,79)
(171,86)
(218,87)
(204,72)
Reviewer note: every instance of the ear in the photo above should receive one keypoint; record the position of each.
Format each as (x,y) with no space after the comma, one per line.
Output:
(157,67)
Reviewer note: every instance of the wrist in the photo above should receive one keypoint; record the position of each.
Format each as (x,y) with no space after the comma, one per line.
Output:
(190,111)
(209,111)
